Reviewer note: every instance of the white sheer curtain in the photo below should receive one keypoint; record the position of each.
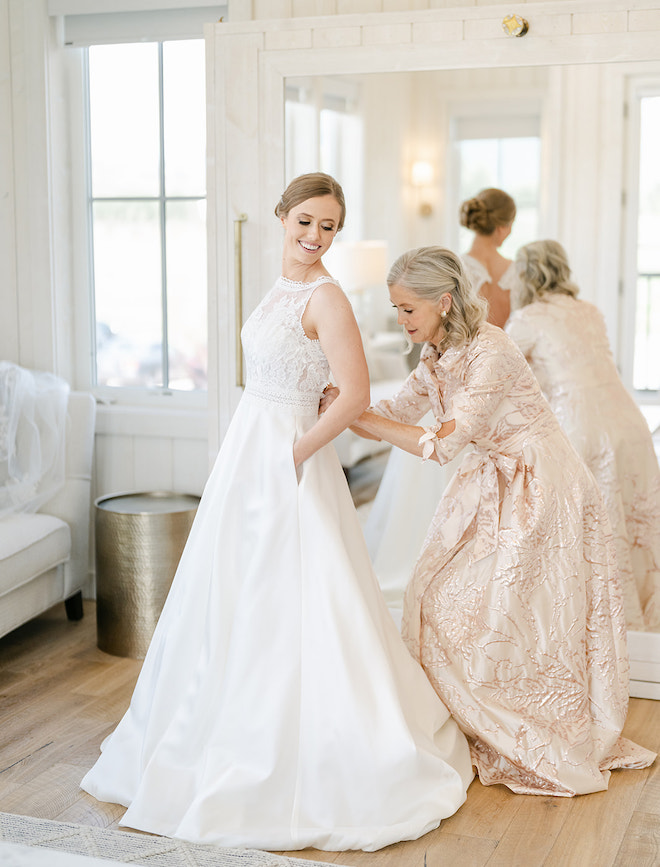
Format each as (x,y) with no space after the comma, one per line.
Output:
(33,407)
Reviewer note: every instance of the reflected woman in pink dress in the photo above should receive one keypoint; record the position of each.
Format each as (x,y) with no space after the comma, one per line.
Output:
(514,608)
(565,341)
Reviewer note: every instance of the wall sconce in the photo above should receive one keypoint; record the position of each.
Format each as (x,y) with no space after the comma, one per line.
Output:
(422,178)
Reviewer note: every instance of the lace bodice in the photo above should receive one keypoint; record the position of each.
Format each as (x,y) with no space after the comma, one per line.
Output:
(283,365)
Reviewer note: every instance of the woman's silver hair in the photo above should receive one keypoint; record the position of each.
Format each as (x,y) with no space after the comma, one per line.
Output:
(430,273)
(543,269)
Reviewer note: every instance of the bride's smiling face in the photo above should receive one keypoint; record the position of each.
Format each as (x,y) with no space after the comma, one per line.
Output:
(310,229)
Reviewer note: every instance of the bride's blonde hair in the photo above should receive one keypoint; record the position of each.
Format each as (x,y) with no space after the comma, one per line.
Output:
(430,273)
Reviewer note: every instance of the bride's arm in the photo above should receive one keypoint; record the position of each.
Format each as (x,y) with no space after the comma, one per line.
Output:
(329,316)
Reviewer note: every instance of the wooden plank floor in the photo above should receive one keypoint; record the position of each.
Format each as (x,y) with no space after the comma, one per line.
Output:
(60,696)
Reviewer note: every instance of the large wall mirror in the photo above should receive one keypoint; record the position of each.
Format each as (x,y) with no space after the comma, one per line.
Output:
(418,109)
(445,135)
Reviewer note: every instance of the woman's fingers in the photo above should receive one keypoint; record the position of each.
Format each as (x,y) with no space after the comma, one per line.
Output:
(330,393)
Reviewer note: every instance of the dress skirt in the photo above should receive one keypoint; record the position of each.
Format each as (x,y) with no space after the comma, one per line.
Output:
(278,707)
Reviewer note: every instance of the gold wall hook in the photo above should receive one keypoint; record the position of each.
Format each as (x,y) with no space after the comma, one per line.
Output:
(514,25)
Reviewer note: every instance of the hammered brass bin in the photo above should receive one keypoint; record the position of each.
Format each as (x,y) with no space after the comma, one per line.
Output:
(139,541)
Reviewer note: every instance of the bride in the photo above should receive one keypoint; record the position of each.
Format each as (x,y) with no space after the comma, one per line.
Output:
(278,707)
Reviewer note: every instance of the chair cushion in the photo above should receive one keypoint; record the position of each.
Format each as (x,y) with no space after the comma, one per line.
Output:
(29,545)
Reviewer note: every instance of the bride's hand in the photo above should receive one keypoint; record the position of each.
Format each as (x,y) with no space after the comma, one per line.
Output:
(330,393)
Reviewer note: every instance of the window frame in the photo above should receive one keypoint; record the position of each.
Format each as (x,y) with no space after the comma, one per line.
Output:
(637,87)
(158,398)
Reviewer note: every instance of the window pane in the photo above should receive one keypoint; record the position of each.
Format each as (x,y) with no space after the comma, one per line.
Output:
(301,136)
(341,157)
(127,276)
(124,109)
(186,294)
(184,118)
(646,371)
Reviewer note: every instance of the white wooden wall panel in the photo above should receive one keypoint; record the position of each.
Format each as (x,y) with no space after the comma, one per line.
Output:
(28,29)
(114,462)
(8,296)
(147,463)
(67,318)
(190,465)
(152,463)
(580,172)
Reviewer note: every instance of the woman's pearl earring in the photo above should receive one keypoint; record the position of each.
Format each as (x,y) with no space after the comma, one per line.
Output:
(443,314)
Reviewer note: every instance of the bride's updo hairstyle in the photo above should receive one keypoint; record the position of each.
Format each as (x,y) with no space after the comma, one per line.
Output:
(543,269)
(430,273)
(487,210)
(311,186)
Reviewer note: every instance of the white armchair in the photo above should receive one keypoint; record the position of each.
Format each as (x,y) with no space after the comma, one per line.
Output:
(44,556)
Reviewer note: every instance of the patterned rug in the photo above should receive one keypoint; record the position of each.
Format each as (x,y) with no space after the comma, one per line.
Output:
(130,848)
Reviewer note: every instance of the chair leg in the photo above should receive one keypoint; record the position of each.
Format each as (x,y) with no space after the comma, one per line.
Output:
(74,606)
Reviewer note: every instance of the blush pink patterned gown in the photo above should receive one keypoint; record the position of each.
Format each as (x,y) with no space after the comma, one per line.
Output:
(514,608)
(565,342)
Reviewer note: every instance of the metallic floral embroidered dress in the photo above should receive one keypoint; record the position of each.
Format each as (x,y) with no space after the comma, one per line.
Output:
(514,608)
(565,342)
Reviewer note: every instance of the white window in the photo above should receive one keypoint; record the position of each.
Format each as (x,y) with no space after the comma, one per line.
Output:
(147,215)
(498,150)
(646,358)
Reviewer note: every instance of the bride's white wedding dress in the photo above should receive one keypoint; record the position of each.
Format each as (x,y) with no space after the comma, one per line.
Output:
(277,706)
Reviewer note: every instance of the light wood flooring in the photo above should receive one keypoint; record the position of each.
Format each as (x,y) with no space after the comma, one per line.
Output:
(60,696)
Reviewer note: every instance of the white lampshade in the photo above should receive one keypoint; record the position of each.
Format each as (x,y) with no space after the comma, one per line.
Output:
(358,264)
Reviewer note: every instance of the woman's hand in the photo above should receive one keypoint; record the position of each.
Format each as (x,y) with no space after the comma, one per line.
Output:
(330,394)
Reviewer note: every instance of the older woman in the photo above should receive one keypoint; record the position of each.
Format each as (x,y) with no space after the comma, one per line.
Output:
(565,341)
(408,493)
(514,608)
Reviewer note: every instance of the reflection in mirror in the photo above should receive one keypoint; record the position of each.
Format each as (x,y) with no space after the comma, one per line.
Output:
(408,148)
(646,371)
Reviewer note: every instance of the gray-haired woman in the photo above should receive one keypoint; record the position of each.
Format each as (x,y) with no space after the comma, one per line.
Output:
(514,608)
(564,339)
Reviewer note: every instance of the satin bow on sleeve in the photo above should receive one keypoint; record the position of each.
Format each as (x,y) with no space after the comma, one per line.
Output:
(486,468)
(482,471)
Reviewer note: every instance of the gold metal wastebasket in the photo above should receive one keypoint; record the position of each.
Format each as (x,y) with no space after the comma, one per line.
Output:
(139,541)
